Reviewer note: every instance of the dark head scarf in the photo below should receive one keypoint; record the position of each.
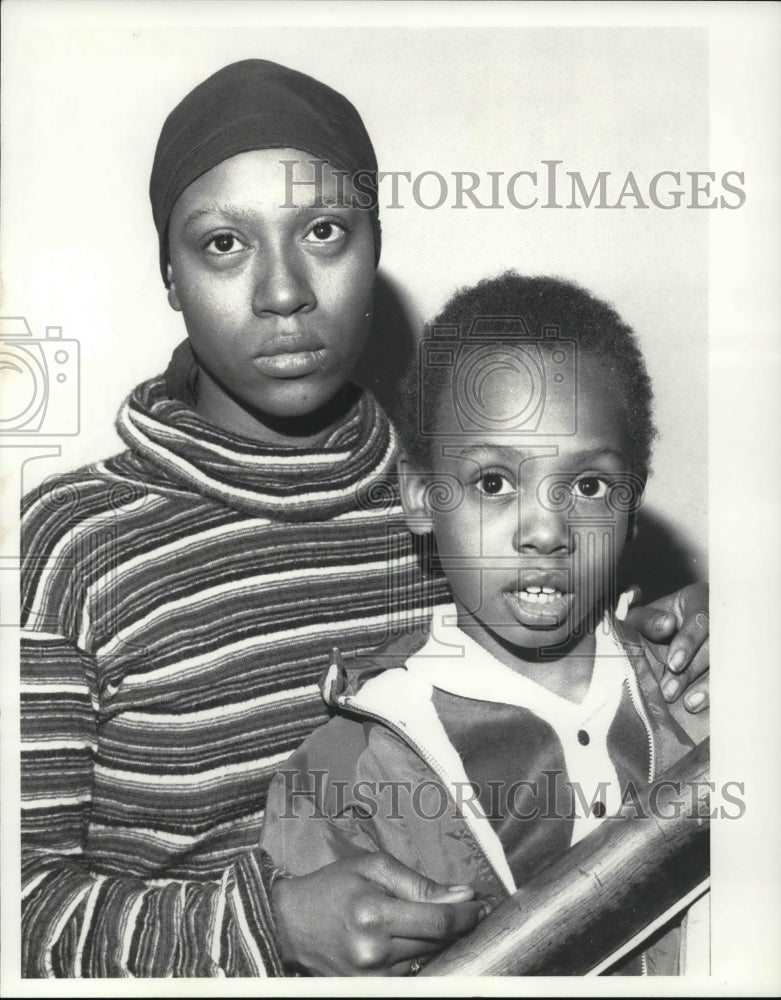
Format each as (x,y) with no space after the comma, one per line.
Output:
(257,104)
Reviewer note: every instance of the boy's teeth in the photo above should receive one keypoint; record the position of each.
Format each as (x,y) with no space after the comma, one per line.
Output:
(541,595)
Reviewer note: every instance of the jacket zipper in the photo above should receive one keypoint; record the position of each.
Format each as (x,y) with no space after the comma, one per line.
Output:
(347,702)
(634,696)
(636,699)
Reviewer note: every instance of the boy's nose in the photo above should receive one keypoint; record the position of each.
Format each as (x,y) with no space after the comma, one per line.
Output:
(282,286)
(539,529)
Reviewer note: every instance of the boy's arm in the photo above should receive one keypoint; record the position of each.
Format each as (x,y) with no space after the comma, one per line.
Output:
(353,909)
(681,624)
(310,820)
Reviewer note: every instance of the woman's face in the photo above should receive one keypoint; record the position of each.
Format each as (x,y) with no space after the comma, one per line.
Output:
(275,286)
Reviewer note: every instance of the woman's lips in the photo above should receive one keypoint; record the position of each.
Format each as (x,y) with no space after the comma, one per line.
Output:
(291,364)
(540,607)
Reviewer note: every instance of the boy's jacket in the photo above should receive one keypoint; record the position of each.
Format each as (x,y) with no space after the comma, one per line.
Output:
(347,790)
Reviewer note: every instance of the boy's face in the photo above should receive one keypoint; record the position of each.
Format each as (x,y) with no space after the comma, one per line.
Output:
(529,527)
(277,301)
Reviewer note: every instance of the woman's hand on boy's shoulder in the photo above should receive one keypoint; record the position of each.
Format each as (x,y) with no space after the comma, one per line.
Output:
(680,625)
(368,916)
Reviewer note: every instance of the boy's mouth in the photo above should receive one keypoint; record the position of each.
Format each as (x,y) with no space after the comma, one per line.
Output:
(540,595)
(540,606)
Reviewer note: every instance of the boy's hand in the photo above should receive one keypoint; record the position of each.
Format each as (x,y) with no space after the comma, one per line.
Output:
(368,916)
(680,620)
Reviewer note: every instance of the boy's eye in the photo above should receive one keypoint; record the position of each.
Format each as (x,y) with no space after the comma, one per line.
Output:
(223,243)
(590,487)
(324,232)
(494,484)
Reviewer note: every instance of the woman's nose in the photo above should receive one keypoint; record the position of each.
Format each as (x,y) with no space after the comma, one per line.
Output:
(282,285)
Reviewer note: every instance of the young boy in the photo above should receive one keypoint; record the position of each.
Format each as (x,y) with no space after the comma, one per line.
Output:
(483,752)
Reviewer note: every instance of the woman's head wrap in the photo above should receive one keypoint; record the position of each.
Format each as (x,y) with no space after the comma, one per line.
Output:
(255,104)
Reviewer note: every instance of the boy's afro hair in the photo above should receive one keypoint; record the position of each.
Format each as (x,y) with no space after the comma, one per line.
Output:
(541,302)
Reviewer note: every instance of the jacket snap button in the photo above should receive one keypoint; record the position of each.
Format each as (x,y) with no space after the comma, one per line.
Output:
(583,738)
(599,809)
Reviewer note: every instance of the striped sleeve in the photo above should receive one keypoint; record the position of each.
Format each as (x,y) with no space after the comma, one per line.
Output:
(77,921)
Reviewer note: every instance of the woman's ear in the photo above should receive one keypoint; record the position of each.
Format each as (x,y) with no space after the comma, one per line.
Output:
(413,487)
(173,298)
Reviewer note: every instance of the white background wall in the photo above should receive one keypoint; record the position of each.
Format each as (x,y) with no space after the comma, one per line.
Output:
(89,96)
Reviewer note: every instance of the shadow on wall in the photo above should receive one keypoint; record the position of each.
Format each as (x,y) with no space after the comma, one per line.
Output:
(392,344)
(659,560)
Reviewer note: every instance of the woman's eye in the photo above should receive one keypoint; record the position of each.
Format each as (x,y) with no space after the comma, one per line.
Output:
(590,487)
(494,484)
(324,232)
(223,243)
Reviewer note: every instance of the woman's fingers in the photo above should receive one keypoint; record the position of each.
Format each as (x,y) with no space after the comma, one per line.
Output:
(682,623)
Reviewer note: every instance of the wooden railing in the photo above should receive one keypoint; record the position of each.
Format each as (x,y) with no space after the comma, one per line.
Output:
(606,894)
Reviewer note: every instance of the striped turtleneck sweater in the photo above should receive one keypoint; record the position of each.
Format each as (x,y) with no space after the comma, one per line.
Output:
(179,603)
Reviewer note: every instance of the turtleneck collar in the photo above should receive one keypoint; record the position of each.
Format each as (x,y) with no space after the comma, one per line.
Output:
(350,470)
